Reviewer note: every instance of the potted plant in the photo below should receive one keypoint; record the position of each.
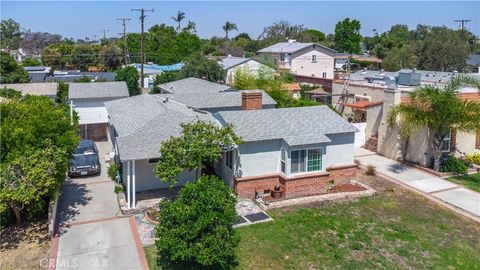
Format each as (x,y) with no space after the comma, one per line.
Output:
(330,185)
(276,192)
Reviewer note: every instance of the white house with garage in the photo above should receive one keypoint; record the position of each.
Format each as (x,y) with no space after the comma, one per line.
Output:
(231,64)
(301,149)
(304,59)
(87,99)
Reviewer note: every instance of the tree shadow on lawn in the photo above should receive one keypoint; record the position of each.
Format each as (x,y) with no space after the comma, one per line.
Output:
(188,265)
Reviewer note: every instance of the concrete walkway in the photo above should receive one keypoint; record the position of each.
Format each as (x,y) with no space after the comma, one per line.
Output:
(462,199)
(90,235)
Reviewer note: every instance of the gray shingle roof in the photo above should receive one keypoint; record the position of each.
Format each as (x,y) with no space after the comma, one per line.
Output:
(291,47)
(211,100)
(192,85)
(297,126)
(232,61)
(38,89)
(97,90)
(143,122)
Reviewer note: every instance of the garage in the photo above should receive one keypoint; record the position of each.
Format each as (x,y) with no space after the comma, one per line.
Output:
(87,99)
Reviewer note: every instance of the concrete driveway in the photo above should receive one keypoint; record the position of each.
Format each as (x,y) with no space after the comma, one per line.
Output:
(90,234)
(436,188)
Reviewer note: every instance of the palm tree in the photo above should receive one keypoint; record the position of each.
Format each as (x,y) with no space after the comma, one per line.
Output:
(229,26)
(440,110)
(179,18)
(191,27)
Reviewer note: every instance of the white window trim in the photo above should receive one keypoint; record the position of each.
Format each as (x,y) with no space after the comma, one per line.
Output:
(448,138)
(314,58)
(306,160)
(283,160)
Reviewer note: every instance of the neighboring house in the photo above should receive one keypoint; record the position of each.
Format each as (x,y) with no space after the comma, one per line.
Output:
(419,147)
(301,149)
(38,74)
(342,59)
(231,64)
(222,101)
(192,85)
(72,75)
(36,89)
(294,89)
(88,101)
(303,59)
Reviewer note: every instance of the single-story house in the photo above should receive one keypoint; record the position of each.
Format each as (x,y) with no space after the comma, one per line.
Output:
(301,149)
(222,101)
(88,99)
(419,149)
(36,89)
(231,64)
(192,85)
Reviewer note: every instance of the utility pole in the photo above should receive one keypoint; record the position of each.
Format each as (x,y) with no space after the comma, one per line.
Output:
(462,23)
(104,32)
(142,47)
(124,24)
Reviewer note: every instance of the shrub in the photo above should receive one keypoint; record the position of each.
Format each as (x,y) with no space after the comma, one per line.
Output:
(371,170)
(473,158)
(118,188)
(112,171)
(196,228)
(454,165)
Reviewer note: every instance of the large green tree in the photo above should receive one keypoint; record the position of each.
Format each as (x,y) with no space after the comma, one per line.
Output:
(195,230)
(36,140)
(199,143)
(347,36)
(10,71)
(10,34)
(111,56)
(440,110)
(200,67)
(83,56)
(131,77)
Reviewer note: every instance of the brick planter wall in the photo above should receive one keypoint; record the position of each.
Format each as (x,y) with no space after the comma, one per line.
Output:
(295,186)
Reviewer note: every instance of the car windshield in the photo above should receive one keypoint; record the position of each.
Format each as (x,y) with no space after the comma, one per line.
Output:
(85,147)
(84,160)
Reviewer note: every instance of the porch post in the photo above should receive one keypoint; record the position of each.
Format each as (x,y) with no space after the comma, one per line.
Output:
(134,189)
(128,184)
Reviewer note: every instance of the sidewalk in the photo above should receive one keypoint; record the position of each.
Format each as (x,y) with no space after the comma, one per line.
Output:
(90,234)
(463,200)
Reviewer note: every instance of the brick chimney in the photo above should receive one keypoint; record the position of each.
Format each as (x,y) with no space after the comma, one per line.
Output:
(251,100)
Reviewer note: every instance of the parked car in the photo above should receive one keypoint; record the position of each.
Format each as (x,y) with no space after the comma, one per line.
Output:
(83,164)
(86,147)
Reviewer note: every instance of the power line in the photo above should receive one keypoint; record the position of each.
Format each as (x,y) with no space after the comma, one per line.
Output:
(124,24)
(142,47)
(462,23)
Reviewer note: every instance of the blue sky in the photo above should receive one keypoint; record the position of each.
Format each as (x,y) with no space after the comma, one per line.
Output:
(85,18)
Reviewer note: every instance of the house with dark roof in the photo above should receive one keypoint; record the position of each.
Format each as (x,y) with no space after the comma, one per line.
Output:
(303,59)
(88,99)
(300,149)
(231,64)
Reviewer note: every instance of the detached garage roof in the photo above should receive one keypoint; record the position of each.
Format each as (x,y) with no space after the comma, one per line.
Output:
(193,85)
(95,90)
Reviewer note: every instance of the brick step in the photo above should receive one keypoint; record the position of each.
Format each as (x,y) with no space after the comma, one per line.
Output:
(372,143)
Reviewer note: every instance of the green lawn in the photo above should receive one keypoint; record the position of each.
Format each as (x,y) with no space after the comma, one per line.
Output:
(392,230)
(472,181)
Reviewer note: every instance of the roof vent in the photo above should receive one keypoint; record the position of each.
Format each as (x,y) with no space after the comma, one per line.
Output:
(290,41)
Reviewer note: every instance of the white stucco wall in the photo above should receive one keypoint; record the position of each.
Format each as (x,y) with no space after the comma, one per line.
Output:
(301,64)
(147,180)
(251,65)
(466,143)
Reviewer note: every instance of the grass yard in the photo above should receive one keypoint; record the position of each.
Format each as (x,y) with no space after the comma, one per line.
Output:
(394,229)
(472,181)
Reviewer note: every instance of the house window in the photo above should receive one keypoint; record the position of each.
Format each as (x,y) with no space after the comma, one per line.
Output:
(324,75)
(282,57)
(283,158)
(153,160)
(306,160)
(229,159)
(314,58)
(446,142)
